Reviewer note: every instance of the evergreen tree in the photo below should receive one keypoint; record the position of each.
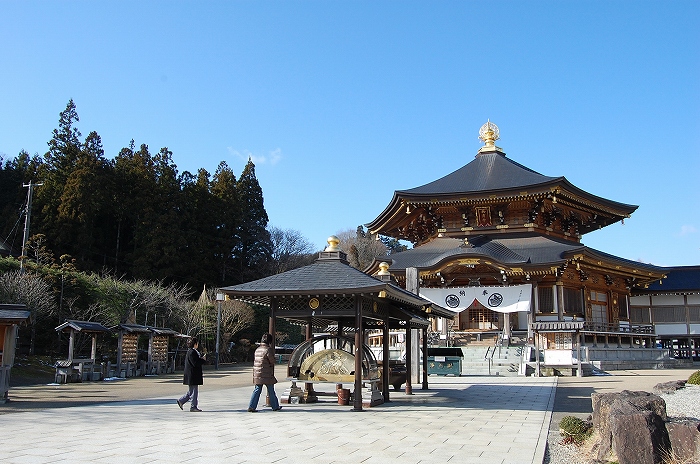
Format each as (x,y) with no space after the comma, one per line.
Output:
(13,195)
(199,230)
(253,252)
(60,160)
(135,201)
(227,222)
(80,211)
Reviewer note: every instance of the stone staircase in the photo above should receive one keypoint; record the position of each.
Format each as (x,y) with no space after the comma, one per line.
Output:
(505,360)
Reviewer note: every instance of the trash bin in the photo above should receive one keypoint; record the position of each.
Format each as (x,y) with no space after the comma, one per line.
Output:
(445,361)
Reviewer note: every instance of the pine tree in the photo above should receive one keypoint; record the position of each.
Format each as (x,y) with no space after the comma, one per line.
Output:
(227,222)
(59,162)
(254,249)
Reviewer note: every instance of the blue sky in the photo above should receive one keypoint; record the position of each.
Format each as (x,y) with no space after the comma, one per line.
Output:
(341,103)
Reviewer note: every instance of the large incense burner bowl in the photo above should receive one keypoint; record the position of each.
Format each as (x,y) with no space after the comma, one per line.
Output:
(330,358)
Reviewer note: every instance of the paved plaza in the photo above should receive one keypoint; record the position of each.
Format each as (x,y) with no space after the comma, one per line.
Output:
(460,419)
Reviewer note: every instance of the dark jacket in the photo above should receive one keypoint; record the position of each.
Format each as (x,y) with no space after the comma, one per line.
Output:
(264,366)
(193,368)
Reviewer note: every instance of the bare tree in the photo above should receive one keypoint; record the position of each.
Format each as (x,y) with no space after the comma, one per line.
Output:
(31,290)
(361,247)
(290,250)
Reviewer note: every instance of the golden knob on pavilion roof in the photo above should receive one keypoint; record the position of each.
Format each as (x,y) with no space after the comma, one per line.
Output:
(489,133)
(333,242)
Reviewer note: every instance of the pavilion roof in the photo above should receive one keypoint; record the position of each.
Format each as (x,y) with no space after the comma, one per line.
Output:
(13,313)
(81,326)
(329,275)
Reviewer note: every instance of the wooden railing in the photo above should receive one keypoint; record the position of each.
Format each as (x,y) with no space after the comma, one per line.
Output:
(590,326)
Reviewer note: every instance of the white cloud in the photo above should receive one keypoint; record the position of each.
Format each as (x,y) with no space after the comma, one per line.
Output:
(687,230)
(271,158)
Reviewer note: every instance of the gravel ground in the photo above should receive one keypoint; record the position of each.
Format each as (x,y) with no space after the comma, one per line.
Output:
(682,404)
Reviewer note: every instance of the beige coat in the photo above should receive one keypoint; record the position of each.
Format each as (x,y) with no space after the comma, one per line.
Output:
(264,366)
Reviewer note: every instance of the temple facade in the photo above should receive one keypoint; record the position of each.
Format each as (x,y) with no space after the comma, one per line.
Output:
(501,245)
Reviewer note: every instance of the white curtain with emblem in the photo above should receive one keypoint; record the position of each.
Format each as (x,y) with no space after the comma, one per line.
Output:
(501,299)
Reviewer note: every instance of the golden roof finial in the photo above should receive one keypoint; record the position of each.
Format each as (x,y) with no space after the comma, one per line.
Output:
(383,268)
(489,133)
(333,242)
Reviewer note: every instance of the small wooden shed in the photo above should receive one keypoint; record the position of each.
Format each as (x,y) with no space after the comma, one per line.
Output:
(11,315)
(157,362)
(79,369)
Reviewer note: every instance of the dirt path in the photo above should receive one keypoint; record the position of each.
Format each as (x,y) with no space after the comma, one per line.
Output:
(43,396)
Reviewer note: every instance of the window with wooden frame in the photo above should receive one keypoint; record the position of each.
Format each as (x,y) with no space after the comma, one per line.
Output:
(623,307)
(599,307)
(545,299)
(573,301)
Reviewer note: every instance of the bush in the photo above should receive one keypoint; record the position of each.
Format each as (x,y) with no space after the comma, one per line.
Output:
(694,378)
(574,430)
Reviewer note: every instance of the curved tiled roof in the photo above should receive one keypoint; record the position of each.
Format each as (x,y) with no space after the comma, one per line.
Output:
(511,251)
(489,171)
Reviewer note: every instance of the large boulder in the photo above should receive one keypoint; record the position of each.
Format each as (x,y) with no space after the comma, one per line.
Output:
(669,387)
(685,440)
(632,426)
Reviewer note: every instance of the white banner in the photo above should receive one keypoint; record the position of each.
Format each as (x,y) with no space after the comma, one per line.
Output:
(501,299)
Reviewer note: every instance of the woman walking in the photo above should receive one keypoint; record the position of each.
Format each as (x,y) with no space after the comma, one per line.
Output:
(264,374)
(193,375)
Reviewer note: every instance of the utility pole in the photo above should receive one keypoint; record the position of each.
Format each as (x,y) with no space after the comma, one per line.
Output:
(27,220)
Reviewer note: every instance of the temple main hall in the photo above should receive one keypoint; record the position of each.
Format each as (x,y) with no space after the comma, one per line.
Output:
(501,244)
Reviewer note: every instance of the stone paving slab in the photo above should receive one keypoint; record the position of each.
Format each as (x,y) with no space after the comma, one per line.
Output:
(487,420)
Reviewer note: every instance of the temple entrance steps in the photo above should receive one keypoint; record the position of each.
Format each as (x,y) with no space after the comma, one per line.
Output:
(502,361)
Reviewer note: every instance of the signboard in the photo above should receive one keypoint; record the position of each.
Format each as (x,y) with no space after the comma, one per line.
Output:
(500,299)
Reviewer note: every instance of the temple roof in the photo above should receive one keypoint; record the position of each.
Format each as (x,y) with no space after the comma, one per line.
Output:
(680,279)
(511,251)
(493,177)
(488,172)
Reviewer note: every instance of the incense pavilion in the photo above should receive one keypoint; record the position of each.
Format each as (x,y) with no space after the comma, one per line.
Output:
(502,245)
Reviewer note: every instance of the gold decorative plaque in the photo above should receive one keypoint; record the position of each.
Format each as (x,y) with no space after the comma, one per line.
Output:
(313,303)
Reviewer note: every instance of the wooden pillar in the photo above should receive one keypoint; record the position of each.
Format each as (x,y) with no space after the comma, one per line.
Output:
(93,350)
(71,345)
(537,354)
(531,315)
(425,359)
(119,351)
(579,372)
(409,363)
(560,299)
(272,326)
(357,397)
(385,360)
(309,330)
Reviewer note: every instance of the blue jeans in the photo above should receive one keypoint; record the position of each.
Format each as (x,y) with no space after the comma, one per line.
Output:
(255,397)
(193,393)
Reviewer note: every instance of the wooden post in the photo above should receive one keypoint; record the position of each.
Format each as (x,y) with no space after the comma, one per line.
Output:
(385,363)
(71,344)
(537,354)
(409,363)
(560,299)
(579,372)
(272,325)
(425,359)
(93,351)
(357,396)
